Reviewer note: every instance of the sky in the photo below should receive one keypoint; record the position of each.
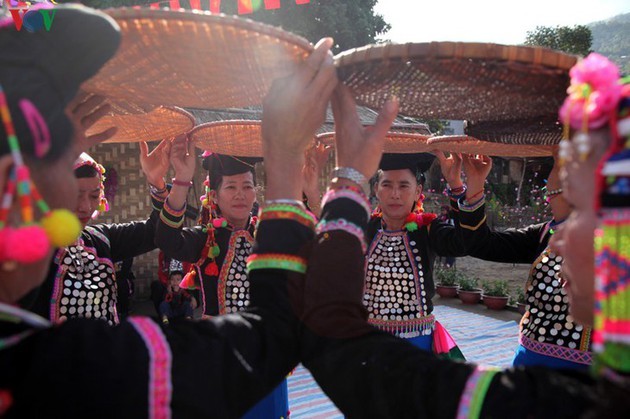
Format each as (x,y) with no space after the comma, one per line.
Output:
(496,21)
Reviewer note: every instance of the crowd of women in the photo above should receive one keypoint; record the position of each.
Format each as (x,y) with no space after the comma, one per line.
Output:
(347,292)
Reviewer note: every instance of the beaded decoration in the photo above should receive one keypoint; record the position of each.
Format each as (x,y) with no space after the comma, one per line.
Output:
(87,160)
(593,95)
(611,337)
(597,97)
(31,241)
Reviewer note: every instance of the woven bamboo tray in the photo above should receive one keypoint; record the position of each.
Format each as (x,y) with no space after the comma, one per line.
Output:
(533,131)
(470,145)
(395,142)
(195,59)
(234,137)
(461,81)
(154,125)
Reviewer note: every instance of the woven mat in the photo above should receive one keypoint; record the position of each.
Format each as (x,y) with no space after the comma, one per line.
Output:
(461,81)
(154,125)
(195,59)
(395,142)
(470,145)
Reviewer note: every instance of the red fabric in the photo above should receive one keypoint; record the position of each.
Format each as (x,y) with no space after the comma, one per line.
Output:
(195,4)
(443,342)
(272,4)
(215,6)
(174,4)
(155,5)
(302,1)
(245,7)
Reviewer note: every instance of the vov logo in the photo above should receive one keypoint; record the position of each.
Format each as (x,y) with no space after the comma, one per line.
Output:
(43,16)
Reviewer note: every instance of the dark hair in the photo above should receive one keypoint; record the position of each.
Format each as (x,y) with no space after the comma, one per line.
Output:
(85,171)
(420,178)
(217,179)
(170,275)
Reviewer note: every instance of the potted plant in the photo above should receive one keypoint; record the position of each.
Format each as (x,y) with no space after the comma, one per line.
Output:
(468,291)
(495,294)
(521,302)
(447,282)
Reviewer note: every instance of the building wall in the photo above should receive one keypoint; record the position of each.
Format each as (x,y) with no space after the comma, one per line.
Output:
(132,202)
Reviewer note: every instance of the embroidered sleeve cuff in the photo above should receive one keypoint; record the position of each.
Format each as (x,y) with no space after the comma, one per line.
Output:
(157,201)
(276,261)
(353,194)
(288,212)
(171,217)
(343,225)
(474,393)
(348,205)
(471,217)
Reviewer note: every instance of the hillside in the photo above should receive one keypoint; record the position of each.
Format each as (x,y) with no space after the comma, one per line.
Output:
(611,38)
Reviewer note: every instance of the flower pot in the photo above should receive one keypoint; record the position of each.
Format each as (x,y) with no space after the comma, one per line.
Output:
(447,291)
(470,297)
(522,307)
(495,303)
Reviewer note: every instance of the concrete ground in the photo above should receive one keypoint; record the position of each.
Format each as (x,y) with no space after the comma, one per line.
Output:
(145,308)
(504,315)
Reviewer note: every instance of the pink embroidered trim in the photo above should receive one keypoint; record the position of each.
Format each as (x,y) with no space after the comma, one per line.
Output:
(344,225)
(160,362)
(555,351)
(333,194)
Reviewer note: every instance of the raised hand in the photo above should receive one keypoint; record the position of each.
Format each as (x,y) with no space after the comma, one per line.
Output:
(183,158)
(358,147)
(477,169)
(84,110)
(451,168)
(316,158)
(156,163)
(292,111)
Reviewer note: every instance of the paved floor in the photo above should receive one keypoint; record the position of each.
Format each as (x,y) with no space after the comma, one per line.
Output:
(145,308)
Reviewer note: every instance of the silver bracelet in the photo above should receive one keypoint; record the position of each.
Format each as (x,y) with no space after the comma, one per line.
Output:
(350,174)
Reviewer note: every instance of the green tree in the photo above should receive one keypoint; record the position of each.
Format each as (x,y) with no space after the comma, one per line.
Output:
(352,23)
(575,40)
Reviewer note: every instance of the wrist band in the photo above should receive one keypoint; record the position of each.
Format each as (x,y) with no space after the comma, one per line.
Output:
(457,191)
(295,202)
(276,261)
(155,190)
(474,196)
(182,183)
(350,174)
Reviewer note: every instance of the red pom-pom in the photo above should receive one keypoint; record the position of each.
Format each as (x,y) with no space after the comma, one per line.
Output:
(411,218)
(27,244)
(427,218)
(212,269)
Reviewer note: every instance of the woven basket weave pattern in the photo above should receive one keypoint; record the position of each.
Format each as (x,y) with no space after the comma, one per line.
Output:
(196,60)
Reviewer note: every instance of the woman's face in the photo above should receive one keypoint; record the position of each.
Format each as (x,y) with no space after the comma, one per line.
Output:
(236,196)
(89,198)
(574,239)
(57,185)
(397,192)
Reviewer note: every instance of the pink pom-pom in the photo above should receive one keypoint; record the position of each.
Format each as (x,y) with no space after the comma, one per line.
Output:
(27,244)
(217,222)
